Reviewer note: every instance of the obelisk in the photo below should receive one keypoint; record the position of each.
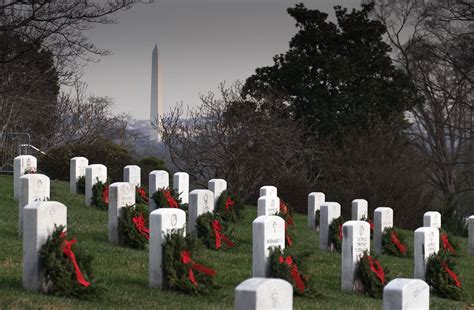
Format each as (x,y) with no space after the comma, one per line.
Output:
(156,105)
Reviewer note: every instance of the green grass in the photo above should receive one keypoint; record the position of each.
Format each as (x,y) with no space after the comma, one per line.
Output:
(124,272)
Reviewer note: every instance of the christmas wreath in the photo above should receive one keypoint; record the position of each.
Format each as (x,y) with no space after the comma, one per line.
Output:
(372,275)
(229,206)
(81,185)
(168,198)
(133,226)
(447,243)
(100,195)
(372,226)
(30,170)
(285,266)
(335,234)
(141,195)
(393,243)
(285,213)
(181,273)
(441,274)
(213,232)
(67,269)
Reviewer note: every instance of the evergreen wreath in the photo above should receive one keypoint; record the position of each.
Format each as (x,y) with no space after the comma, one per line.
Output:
(100,195)
(335,233)
(285,213)
(141,195)
(372,226)
(133,226)
(229,206)
(68,271)
(180,272)
(213,232)
(447,244)
(285,266)
(441,274)
(81,184)
(30,170)
(393,243)
(372,275)
(168,198)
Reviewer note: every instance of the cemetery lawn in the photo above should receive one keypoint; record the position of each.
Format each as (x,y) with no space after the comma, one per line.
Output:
(123,272)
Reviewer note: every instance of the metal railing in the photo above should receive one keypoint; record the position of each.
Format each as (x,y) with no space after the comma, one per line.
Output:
(13,144)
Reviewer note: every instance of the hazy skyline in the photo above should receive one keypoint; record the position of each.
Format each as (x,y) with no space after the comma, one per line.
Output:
(201,43)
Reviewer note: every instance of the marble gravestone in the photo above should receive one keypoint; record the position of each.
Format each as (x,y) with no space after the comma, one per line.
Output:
(268,190)
(77,169)
(268,205)
(360,209)
(471,234)
(132,174)
(200,201)
(33,187)
(355,241)
(217,186)
(263,293)
(39,220)
(432,219)
(267,232)
(426,243)
(94,173)
(315,200)
(121,194)
(22,164)
(328,212)
(181,185)
(383,218)
(157,179)
(162,222)
(406,294)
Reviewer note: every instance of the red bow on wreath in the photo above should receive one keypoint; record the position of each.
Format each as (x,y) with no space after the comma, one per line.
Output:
(340,231)
(171,202)
(401,247)
(139,222)
(105,195)
(186,259)
(446,245)
(216,227)
(377,269)
(451,274)
(372,225)
(229,203)
(287,236)
(141,192)
(295,274)
(67,250)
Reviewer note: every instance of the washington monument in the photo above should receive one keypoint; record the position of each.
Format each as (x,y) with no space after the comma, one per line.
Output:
(156,104)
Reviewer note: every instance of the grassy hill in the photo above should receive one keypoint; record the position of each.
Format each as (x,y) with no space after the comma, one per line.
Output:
(124,272)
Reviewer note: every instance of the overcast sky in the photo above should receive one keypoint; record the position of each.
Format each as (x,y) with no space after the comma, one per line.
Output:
(201,43)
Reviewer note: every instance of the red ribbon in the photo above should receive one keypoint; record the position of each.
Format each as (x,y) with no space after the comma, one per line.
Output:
(446,245)
(377,270)
(141,192)
(295,274)
(340,231)
(67,250)
(139,222)
(216,227)
(451,274)
(186,259)
(171,202)
(287,235)
(105,195)
(401,247)
(229,203)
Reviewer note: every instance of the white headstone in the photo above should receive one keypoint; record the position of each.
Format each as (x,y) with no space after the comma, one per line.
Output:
(383,218)
(181,185)
(328,212)
(432,219)
(268,190)
(94,173)
(157,179)
(263,293)
(426,243)
(121,194)
(200,201)
(33,187)
(315,200)
(77,168)
(20,165)
(132,174)
(355,240)
(471,234)
(406,294)
(162,222)
(217,186)
(267,232)
(39,219)
(360,209)
(268,205)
